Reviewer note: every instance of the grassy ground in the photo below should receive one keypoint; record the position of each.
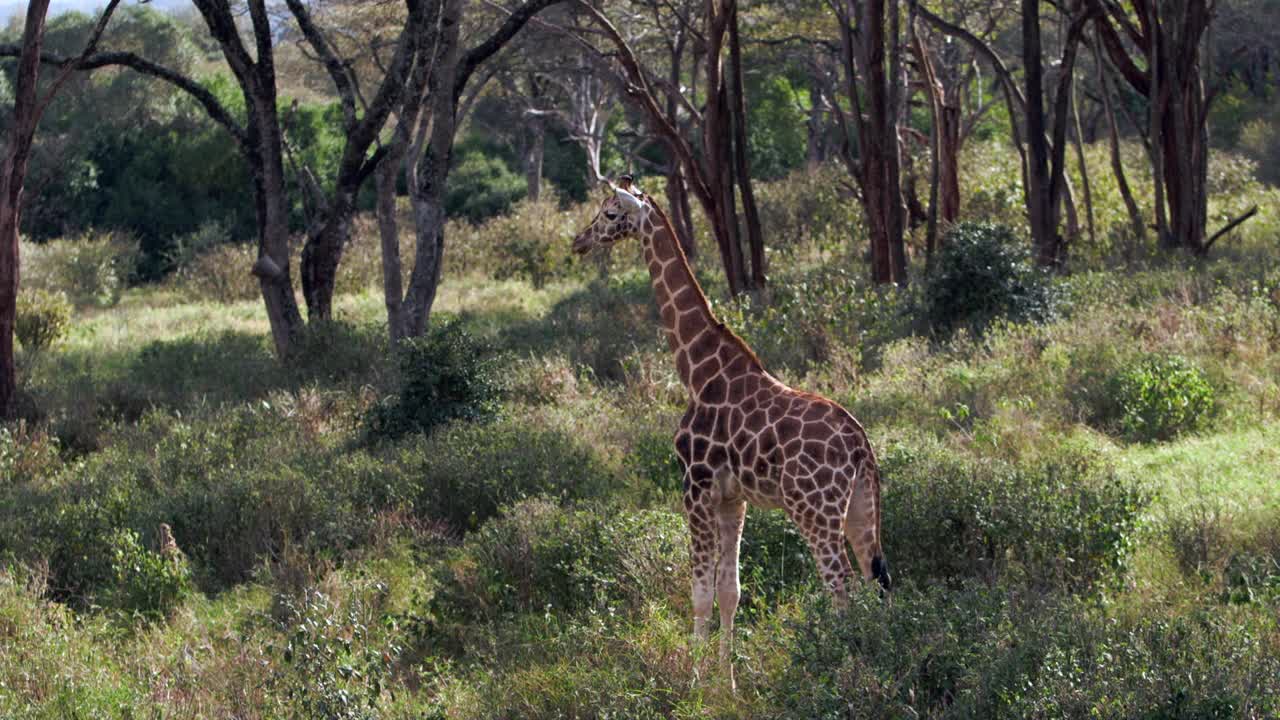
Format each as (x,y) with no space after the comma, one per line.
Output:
(533,564)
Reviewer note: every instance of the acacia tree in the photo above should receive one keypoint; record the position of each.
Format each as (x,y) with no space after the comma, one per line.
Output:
(29,105)
(435,99)
(1040,138)
(1156,47)
(947,71)
(717,171)
(876,162)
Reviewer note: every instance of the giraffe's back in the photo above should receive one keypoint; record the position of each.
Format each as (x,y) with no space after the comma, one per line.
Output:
(772,445)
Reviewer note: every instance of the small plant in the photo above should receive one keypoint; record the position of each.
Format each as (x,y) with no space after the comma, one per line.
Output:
(1158,398)
(43,319)
(93,269)
(147,583)
(446,375)
(983,273)
(471,471)
(334,665)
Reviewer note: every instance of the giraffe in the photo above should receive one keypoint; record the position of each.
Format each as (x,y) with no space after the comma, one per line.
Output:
(746,437)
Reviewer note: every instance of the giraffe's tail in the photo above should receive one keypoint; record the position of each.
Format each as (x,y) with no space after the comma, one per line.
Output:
(879,566)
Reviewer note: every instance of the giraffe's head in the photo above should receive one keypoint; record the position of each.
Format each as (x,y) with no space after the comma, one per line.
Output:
(618,218)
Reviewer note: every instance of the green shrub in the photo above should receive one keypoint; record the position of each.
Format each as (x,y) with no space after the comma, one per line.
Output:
(1158,397)
(220,274)
(445,375)
(471,471)
(27,455)
(531,241)
(482,186)
(43,319)
(146,583)
(979,652)
(809,210)
(773,561)
(1065,519)
(983,273)
(236,488)
(332,663)
(187,247)
(93,269)
(540,557)
(653,460)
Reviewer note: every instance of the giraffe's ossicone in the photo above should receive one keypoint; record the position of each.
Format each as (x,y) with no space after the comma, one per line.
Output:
(746,436)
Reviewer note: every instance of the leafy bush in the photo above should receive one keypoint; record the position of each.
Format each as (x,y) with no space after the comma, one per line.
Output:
(236,488)
(471,471)
(27,455)
(653,459)
(185,248)
(540,557)
(1063,520)
(773,561)
(43,319)
(982,273)
(333,665)
(445,375)
(979,652)
(1158,397)
(531,241)
(92,269)
(809,210)
(146,583)
(482,186)
(221,274)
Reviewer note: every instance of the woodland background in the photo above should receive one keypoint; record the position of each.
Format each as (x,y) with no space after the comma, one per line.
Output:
(291,285)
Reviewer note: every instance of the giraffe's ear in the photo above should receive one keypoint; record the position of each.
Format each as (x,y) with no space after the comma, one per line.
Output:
(630,202)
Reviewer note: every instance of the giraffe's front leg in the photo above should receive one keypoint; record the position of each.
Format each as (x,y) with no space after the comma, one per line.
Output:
(730,518)
(703,547)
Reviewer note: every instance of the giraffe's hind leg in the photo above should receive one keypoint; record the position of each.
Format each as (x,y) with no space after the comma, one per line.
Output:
(825,535)
(730,518)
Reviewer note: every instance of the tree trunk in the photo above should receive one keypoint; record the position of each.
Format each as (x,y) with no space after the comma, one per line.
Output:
(389,238)
(878,147)
(1044,226)
(678,202)
(717,142)
(533,153)
(1117,163)
(13,175)
(1084,167)
(322,254)
(272,268)
(432,173)
(742,168)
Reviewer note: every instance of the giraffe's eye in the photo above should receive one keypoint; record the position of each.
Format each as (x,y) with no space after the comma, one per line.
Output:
(611,215)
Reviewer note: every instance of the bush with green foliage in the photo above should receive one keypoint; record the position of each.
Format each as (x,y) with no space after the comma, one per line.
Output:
(332,663)
(469,472)
(531,242)
(27,455)
(42,319)
(1157,397)
(145,583)
(541,557)
(482,186)
(1000,652)
(981,274)
(1064,520)
(92,269)
(445,375)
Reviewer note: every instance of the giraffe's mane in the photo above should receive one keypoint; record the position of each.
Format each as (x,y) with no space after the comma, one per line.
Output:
(726,332)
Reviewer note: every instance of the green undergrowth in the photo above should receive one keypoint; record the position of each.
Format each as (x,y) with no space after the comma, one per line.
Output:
(1080,512)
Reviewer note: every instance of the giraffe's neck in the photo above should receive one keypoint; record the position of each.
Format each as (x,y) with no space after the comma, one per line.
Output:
(703,347)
